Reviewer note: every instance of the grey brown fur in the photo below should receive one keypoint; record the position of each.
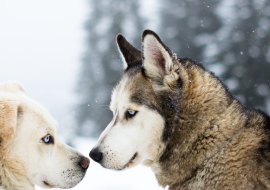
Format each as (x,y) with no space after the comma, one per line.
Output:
(211,141)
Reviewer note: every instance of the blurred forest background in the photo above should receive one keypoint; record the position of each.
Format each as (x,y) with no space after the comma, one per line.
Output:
(230,38)
(64,53)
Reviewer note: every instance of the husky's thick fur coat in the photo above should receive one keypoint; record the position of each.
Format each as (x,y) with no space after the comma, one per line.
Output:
(178,118)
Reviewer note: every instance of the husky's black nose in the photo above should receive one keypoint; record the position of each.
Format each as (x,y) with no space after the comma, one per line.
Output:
(96,155)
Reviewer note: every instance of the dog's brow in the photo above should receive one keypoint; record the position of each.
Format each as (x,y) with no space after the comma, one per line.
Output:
(50,130)
(116,118)
(113,100)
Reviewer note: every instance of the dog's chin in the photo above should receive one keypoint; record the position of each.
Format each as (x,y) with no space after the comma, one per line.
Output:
(66,186)
(47,185)
(132,162)
(63,185)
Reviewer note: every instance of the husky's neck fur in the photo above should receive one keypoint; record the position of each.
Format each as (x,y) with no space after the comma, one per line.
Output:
(12,173)
(193,114)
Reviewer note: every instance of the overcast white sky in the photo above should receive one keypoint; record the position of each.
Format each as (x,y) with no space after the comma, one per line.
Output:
(41,44)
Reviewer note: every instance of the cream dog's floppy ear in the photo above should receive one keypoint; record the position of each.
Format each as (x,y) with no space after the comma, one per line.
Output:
(8,118)
(12,86)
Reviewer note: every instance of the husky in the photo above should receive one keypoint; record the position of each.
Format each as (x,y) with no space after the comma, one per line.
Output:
(174,116)
(31,152)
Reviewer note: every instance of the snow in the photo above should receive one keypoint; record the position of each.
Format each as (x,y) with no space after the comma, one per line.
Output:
(99,178)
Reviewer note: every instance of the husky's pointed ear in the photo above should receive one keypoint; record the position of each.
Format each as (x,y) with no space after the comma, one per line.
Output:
(158,60)
(128,52)
(8,118)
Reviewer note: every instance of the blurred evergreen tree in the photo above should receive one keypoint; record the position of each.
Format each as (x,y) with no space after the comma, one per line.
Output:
(243,45)
(231,38)
(184,23)
(101,66)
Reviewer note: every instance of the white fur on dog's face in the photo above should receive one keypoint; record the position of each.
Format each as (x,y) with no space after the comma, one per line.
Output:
(129,142)
(47,165)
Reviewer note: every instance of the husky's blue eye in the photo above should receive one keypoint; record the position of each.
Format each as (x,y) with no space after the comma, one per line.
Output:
(130,113)
(48,139)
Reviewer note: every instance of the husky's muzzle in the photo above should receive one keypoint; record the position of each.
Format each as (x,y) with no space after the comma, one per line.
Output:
(96,155)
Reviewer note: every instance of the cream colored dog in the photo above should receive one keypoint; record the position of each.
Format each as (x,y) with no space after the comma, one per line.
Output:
(31,153)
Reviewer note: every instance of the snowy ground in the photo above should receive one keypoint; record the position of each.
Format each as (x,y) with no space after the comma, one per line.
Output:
(98,178)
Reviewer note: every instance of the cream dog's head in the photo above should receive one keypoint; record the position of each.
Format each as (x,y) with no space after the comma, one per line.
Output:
(29,136)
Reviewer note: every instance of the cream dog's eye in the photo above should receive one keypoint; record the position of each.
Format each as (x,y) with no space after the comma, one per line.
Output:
(48,139)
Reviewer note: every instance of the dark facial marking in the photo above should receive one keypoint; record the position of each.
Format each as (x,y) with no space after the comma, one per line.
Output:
(134,156)
(128,115)
(140,98)
(46,183)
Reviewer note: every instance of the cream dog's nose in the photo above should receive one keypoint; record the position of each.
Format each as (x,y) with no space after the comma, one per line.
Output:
(84,163)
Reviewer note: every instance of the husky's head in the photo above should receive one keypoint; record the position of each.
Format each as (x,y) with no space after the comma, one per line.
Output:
(136,133)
